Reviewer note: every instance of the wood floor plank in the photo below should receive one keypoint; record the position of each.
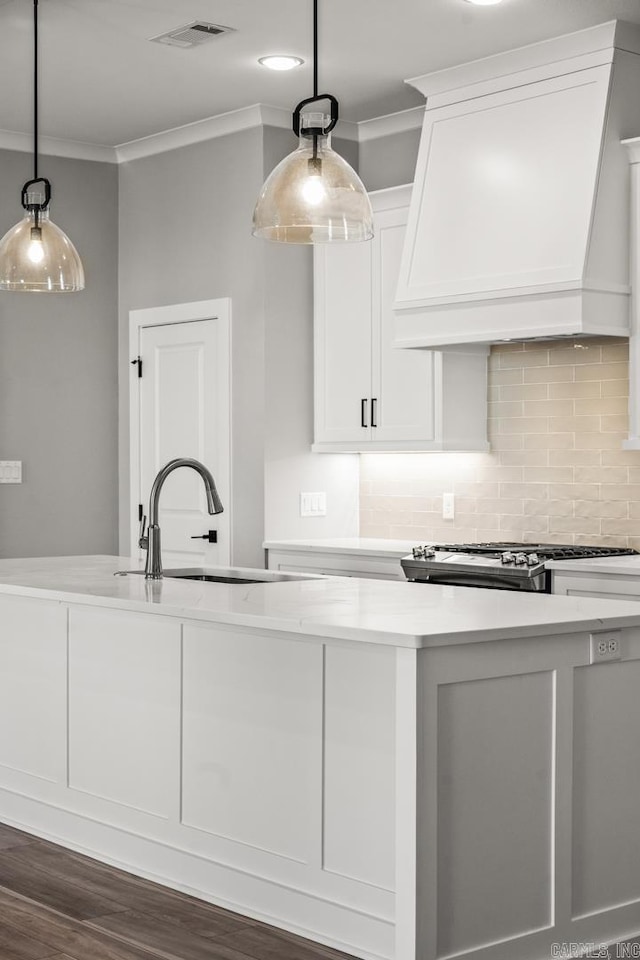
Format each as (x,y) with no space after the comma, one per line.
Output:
(130,892)
(55,891)
(10,837)
(161,936)
(267,943)
(17,946)
(66,935)
(216,952)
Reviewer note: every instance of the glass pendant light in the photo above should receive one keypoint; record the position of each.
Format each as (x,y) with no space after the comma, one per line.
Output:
(313,195)
(36,255)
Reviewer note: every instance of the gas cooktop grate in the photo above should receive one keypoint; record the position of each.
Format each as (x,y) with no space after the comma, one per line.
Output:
(546,551)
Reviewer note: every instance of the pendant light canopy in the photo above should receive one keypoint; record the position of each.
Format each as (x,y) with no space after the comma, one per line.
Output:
(313,195)
(37,256)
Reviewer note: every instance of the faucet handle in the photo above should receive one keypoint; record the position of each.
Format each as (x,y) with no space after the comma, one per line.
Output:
(143,539)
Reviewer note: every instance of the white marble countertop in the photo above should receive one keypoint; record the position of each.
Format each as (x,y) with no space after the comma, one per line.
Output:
(373,611)
(364,546)
(619,566)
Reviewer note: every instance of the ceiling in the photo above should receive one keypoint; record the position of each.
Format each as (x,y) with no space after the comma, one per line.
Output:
(102,82)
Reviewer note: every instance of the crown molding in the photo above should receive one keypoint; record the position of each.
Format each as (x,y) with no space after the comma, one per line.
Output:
(257,115)
(597,42)
(347,130)
(222,125)
(219,126)
(633,147)
(51,146)
(390,124)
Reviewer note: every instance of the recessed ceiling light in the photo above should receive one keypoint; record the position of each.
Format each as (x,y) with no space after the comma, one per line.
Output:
(281,62)
(484,3)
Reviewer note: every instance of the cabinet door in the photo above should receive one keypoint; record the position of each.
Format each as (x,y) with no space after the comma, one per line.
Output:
(403,405)
(596,585)
(342,291)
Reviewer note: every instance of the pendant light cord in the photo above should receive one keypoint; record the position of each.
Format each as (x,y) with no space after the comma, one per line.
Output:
(315,69)
(297,113)
(315,47)
(28,193)
(35,89)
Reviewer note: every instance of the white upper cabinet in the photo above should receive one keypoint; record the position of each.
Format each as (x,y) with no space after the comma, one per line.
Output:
(370,395)
(342,335)
(518,225)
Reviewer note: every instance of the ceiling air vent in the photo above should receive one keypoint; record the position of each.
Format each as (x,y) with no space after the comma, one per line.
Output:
(191,34)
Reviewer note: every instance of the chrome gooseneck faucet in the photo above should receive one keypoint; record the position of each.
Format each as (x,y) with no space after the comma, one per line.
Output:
(151,540)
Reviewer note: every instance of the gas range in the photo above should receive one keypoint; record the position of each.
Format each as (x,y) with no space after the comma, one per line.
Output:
(500,566)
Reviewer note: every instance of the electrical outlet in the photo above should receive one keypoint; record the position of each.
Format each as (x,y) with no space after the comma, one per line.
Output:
(448,506)
(605,646)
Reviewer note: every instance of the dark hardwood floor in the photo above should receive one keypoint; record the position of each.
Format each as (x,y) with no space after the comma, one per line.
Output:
(59,905)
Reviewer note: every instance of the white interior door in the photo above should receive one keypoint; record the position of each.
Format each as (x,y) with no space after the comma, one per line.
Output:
(181,408)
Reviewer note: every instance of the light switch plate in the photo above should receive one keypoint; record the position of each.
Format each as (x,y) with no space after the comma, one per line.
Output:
(10,471)
(313,504)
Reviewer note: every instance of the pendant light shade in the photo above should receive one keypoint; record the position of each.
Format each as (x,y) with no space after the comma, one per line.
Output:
(313,195)
(36,256)
(48,263)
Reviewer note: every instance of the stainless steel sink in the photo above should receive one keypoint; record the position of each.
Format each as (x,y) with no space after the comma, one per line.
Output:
(210,578)
(225,575)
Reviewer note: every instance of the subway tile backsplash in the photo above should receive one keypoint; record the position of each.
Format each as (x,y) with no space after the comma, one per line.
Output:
(556,471)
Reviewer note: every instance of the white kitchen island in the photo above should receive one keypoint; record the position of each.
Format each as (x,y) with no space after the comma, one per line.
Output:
(398,770)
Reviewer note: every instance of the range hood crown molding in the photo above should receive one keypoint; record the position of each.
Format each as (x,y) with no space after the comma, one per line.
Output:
(596,44)
(519,219)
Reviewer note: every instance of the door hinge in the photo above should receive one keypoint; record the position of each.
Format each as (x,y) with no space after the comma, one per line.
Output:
(138,362)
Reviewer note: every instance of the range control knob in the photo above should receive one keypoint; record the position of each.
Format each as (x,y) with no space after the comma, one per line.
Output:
(418,553)
(521,559)
(508,557)
(429,553)
(533,559)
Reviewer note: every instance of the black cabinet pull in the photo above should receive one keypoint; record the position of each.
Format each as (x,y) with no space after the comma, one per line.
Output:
(211,536)
(374,411)
(363,412)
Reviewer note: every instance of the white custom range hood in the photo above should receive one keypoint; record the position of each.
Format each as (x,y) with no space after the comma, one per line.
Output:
(519,219)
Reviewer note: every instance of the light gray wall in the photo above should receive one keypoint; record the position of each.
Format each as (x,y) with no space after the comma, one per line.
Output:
(290,467)
(185,234)
(58,374)
(389,161)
